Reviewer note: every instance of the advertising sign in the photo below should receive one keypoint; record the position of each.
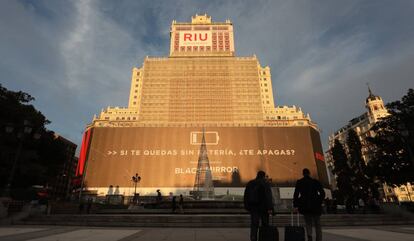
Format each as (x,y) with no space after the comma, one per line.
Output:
(195,38)
(168,156)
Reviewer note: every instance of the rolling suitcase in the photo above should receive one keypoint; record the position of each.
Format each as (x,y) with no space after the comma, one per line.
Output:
(268,233)
(294,233)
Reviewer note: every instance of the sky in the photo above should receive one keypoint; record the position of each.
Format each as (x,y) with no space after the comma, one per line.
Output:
(75,57)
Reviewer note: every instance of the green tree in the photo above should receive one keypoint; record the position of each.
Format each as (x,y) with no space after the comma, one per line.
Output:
(393,143)
(343,172)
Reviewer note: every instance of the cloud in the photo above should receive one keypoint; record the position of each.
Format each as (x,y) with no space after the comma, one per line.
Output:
(76,57)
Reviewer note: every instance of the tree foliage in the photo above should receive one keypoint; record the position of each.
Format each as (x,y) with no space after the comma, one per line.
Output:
(362,181)
(342,171)
(393,143)
(40,159)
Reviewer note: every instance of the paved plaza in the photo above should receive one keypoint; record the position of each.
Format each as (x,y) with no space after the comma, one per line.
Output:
(57,233)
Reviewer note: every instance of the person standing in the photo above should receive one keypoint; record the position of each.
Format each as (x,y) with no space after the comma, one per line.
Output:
(159,197)
(174,204)
(361,205)
(259,202)
(308,198)
(181,203)
(89,206)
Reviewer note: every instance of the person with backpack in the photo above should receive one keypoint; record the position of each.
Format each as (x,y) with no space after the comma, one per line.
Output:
(259,202)
(308,198)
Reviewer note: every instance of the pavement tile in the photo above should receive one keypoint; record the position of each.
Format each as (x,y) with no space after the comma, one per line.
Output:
(89,235)
(54,233)
(15,231)
(371,234)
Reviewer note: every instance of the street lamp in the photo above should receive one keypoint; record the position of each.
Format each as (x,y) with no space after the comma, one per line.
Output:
(135,179)
(22,131)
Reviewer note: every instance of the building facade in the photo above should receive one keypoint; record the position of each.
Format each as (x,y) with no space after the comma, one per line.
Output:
(202,84)
(62,186)
(362,125)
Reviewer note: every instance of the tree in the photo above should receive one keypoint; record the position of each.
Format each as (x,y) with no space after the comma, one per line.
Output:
(342,171)
(393,142)
(40,160)
(362,182)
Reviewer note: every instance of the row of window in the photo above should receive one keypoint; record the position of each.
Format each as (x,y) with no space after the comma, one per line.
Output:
(122,118)
(110,112)
(181,28)
(205,65)
(192,74)
(201,48)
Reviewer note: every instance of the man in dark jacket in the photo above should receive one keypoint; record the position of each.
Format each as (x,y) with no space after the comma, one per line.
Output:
(259,202)
(308,198)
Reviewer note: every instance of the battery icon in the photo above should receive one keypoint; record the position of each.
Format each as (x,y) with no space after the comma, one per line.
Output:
(212,137)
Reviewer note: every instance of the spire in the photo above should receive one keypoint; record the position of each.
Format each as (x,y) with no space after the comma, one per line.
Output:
(371,96)
(203,186)
(369,91)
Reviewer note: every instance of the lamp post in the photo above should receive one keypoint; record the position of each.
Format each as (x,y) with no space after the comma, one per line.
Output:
(135,179)
(21,132)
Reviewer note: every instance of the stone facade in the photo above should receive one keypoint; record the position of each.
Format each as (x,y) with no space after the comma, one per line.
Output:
(362,125)
(202,84)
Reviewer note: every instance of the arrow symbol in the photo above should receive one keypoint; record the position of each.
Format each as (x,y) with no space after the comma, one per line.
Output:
(111,153)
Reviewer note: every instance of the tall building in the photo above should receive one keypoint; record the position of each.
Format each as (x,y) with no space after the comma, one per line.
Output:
(62,186)
(201,84)
(362,125)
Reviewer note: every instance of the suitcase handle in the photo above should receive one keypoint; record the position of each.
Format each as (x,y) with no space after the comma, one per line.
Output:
(291,218)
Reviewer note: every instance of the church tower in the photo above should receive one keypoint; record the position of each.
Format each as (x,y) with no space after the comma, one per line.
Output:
(375,107)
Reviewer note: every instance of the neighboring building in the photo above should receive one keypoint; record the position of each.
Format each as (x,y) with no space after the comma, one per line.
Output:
(62,186)
(362,125)
(403,193)
(202,84)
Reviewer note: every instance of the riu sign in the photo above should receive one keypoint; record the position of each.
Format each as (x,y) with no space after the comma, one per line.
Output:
(195,38)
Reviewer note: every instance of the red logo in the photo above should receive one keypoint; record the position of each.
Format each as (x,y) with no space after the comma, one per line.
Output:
(319,156)
(195,36)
